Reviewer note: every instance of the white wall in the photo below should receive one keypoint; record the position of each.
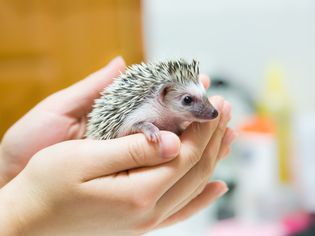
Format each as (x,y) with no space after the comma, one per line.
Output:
(238,38)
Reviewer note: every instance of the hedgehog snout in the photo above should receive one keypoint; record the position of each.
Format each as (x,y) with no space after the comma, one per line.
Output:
(214,113)
(205,111)
(209,114)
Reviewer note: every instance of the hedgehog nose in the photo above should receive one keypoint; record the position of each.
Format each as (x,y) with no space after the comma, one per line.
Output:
(214,113)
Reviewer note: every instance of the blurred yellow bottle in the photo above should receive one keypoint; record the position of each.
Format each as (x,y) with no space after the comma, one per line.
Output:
(276,105)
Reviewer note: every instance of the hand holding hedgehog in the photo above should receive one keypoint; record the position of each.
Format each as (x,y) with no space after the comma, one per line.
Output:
(106,177)
(149,97)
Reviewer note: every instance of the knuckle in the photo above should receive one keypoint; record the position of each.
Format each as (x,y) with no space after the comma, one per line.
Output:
(200,190)
(208,152)
(37,161)
(136,153)
(142,203)
(148,224)
(204,170)
(221,127)
(194,156)
(36,165)
(202,187)
(141,207)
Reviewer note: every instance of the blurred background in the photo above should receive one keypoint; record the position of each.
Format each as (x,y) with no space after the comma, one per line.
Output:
(260,55)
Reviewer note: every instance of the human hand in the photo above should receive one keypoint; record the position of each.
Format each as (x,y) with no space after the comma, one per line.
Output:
(60,117)
(117,187)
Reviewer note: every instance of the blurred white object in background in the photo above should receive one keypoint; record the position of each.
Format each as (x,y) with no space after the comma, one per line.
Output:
(304,162)
(257,176)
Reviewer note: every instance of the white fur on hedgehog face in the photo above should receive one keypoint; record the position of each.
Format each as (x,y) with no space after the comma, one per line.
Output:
(174,100)
(166,110)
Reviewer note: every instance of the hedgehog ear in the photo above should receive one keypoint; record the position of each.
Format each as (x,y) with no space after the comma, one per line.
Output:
(163,91)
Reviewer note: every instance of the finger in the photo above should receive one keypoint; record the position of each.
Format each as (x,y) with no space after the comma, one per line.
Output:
(226,153)
(212,192)
(199,173)
(227,140)
(214,145)
(77,100)
(188,199)
(201,187)
(95,158)
(204,79)
(96,82)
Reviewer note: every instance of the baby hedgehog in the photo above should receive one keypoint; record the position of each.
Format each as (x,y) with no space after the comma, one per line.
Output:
(148,98)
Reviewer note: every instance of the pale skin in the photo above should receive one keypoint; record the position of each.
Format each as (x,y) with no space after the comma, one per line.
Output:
(56,183)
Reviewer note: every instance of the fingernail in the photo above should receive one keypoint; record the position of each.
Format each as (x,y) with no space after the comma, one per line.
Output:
(226,154)
(169,145)
(231,137)
(221,191)
(115,60)
(217,102)
(227,109)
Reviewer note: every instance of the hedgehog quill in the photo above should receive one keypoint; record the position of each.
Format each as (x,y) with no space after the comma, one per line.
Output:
(148,98)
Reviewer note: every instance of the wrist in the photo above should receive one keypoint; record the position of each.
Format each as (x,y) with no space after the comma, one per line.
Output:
(9,220)
(19,211)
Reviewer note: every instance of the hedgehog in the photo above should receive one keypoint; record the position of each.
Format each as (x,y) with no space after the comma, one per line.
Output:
(148,98)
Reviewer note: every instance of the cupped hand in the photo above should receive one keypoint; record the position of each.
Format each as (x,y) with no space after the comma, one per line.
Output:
(60,117)
(124,186)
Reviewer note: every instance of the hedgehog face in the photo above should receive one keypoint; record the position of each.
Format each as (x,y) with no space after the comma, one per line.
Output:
(188,102)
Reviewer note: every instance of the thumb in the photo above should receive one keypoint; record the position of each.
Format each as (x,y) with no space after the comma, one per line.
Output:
(98,157)
(78,99)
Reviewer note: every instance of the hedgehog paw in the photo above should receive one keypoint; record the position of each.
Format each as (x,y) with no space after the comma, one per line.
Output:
(151,132)
(154,137)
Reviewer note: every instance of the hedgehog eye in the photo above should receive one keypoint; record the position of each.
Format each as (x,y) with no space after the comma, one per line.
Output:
(188,100)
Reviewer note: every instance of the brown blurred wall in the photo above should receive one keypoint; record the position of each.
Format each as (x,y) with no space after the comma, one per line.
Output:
(47,45)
